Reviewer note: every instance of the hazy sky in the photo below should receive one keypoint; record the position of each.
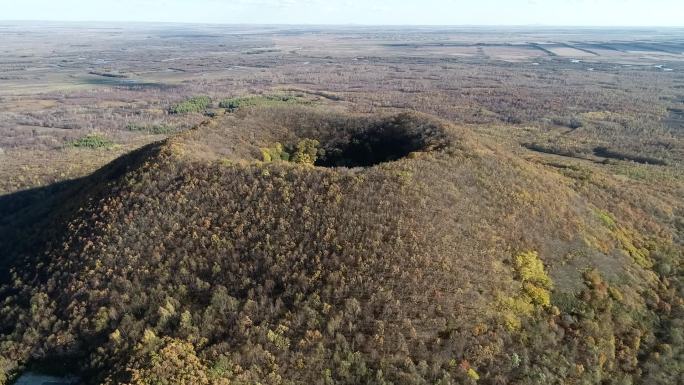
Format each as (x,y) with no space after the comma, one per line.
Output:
(443,12)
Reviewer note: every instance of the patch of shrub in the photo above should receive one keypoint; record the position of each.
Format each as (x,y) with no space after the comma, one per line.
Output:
(194,104)
(530,270)
(306,152)
(536,290)
(274,154)
(234,104)
(92,141)
(156,129)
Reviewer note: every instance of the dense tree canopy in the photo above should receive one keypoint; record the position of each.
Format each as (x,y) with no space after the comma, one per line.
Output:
(450,260)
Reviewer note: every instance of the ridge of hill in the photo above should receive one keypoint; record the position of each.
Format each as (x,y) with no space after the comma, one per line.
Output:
(290,245)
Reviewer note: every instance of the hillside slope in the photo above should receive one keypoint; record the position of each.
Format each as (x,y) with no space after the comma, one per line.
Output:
(291,245)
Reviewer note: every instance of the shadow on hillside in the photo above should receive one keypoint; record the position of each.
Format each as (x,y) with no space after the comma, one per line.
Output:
(25,206)
(33,219)
(29,218)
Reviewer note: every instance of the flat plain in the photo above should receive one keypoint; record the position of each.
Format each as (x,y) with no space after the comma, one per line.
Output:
(61,82)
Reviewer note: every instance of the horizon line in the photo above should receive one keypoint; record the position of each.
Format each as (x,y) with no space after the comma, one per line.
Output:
(579,26)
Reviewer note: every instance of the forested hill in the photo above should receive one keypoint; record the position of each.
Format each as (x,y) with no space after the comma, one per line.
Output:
(288,244)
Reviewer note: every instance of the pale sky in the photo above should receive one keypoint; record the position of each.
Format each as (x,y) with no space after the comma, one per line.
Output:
(413,12)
